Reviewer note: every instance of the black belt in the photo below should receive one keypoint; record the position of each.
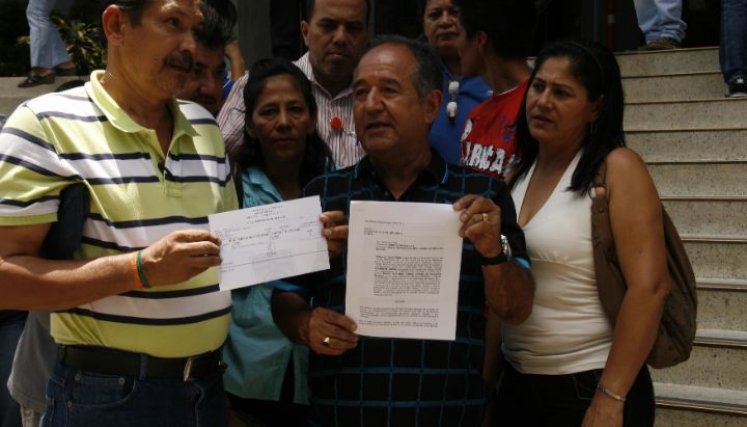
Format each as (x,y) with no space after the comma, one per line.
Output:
(116,362)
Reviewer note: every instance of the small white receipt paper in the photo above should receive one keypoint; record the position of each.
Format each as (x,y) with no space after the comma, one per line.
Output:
(270,242)
(403,269)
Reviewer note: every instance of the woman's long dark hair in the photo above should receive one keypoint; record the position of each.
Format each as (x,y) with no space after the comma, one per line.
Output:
(317,157)
(596,69)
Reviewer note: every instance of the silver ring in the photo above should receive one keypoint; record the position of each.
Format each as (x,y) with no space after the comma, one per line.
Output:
(326,341)
(484,217)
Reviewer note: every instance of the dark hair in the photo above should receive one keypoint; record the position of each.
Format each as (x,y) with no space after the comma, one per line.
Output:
(596,69)
(428,74)
(317,155)
(133,8)
(312,3)
(215,30)
(509,24)
(225,9)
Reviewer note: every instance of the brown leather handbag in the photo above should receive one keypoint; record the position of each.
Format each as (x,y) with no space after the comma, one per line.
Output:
(677,328)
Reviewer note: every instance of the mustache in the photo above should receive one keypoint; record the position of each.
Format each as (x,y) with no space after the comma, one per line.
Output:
(180,60)
(339,50)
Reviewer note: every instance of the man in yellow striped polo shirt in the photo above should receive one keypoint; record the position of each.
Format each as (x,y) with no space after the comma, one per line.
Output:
(138,314)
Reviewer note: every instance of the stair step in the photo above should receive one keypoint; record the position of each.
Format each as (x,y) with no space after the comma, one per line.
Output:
(721,305)
(713,239)
(688,145)
(667,416)
(687,87)
(722,284)
(714,362)
(690,115)
(715,179)
(704,399)
(723,218)
(678,61)
(722,338)
(13,96)
(718,259)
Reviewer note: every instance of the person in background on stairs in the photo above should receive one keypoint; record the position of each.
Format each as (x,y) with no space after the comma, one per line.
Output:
(733,48)
(206,86)
(661,23)
(49,57)
(461,93)
(566,365)
(236,66)
(498,39)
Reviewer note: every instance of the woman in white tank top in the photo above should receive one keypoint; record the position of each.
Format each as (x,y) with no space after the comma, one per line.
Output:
(566,365)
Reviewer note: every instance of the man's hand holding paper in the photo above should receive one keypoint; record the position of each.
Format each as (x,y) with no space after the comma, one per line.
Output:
(270,242)
(335,231)
(481,223)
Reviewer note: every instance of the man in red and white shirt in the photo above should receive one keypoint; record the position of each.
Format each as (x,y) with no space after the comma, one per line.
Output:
(498,40)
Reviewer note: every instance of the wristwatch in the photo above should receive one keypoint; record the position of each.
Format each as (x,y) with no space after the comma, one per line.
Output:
(504,256)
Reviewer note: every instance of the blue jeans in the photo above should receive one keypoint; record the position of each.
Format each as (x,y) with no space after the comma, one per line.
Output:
(733,50)
(83,398)
(10,331)
(660,18)
(46,45)
(529,400)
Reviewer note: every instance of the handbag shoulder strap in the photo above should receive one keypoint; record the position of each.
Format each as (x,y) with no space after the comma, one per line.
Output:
(610,282)
(600,179)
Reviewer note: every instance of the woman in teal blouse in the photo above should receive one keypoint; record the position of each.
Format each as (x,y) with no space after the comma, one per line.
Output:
(266,375)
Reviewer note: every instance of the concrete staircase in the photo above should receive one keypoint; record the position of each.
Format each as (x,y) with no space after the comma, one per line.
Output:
(695,143)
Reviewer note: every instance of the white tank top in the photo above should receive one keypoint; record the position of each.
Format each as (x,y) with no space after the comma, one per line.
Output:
(567,331)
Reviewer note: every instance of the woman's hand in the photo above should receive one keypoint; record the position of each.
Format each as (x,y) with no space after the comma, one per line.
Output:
(604,412)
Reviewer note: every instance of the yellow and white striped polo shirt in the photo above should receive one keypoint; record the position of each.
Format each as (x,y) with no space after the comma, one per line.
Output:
(138,195)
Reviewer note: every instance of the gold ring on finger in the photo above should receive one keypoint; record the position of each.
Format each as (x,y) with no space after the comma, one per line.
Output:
(326,340)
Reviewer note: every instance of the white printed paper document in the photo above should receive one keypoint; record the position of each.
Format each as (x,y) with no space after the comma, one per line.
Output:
(270,242)
(403,269)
